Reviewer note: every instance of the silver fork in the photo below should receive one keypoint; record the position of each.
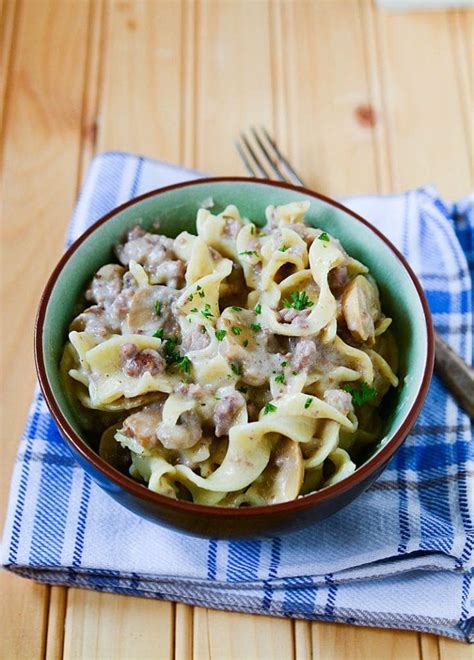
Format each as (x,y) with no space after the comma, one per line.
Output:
(263,159)
(276,161)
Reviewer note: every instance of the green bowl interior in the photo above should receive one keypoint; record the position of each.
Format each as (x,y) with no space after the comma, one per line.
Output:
(176,211)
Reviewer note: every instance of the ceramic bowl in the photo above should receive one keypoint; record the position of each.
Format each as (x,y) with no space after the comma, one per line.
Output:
(175,207)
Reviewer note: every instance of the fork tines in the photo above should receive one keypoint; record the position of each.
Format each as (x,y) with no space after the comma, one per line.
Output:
(262,157)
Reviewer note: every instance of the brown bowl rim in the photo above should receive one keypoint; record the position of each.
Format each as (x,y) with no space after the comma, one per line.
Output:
(141,492)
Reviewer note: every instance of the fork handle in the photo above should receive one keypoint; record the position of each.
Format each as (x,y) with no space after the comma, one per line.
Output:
(455,373)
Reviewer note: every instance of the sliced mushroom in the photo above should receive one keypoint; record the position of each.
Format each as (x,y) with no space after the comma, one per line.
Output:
(142,425)
(361,308)
(112,451)
(150,309)
(281,481)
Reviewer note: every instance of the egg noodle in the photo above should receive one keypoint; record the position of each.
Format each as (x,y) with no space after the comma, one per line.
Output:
(239,366)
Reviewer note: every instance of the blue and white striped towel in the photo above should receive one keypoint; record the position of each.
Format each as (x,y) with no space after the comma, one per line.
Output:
(400,556)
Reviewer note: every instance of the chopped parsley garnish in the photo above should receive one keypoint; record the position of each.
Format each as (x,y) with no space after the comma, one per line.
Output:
(283,248)
(157,307)
(323,237)
(245,343)
(284,363)
(206,312)
(308,402)
(220,334)
(269,408)
(258,309)
(280,378)
(234,308)
(158,334)
(171,354)
(362,394)
(299,300)
(236,369)
(190,297)
(236,330)
(217,398)
(200,291)
(249,252)
(255,327)
(184,365)
(194,309)
(252,229)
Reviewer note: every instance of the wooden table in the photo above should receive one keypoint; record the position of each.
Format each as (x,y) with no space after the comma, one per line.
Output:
(362,100)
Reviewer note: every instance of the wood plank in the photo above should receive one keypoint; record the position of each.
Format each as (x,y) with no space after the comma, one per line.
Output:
(23,612)
(303,644)
(100,625)
(429,647)
(242,636)
(93,79)
(384,175)
(232,89)
(8,14)
(221,110)
(132,96)
(462,25)
(40,155)
(42,149)
(188,78)
(423,106)
(334,641)
(327,96)
(141,104)
(278,34)
(449,649)
(56,617)
(233,79)
(58,597)
(201,644)
(183,642)
(350,125)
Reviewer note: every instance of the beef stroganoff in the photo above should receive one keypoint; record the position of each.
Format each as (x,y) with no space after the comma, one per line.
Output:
(239,366)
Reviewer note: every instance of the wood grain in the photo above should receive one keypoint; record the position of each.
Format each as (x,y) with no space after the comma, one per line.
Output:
(449,649)
(100,625)
(140,108)
(303,643)
(183,641)
(142,114)
(8,14)
(425,121)
(332,642)
(232,80)
(462,23)
(201,641)
(243,636)
(429,648)
(40,156)
(361,99)
(330,114)
(55,630)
